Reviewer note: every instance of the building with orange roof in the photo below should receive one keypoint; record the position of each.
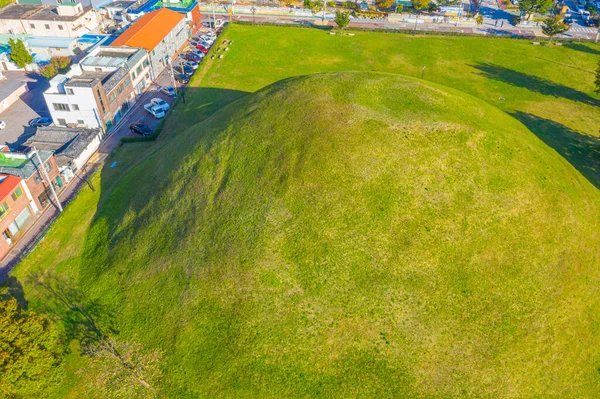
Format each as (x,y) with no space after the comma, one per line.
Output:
(18,210)
(162,33)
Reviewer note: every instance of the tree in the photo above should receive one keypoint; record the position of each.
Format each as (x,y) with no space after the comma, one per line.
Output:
(554,26)
(18,53)
(531,6)
(479,19)
(419,5)
(597,82)
(122,369)
(342,18)
(31,355)
(385,4)
(48,71)
(432,7)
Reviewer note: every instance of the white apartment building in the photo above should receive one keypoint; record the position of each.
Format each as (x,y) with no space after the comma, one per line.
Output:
(63,20)
(98,91)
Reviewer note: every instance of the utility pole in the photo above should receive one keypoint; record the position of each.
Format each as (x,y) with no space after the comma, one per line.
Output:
(214,17)
(45,173)
(172,73)
(324,8)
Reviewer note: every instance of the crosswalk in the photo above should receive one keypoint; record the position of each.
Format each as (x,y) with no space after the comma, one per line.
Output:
(583,29)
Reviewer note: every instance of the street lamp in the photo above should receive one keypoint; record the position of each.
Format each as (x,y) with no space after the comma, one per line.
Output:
(253,11)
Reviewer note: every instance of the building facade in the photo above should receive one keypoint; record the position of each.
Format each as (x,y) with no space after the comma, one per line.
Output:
(98,91)
(64,20)
(163,33)
(18,210)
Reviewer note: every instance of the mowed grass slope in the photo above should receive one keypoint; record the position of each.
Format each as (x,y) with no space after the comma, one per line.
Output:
(354,235)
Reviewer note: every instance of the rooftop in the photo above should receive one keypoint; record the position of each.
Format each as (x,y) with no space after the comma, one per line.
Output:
(7,184)
(119,4)
(28,166)
(37,12)
(148,31)
(9,86)
(66,143)
(87,79)
(114,57)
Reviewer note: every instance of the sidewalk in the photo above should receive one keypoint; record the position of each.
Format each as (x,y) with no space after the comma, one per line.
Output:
(38,229)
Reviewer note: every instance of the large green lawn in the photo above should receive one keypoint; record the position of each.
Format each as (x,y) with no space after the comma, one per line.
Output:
(548,89)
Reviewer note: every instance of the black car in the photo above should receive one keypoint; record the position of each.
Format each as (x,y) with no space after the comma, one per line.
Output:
(140,128)
(568,21)
(39,122)
(185,69)
(191,57)
(591,22)
(182,78)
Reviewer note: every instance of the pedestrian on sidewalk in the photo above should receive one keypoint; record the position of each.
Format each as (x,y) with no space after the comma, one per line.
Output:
(496,23)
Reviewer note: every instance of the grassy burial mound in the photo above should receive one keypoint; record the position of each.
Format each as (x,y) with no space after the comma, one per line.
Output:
(355,235)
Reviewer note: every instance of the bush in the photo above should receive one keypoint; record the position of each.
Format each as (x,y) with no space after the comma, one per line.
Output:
(49,71)
(60,63)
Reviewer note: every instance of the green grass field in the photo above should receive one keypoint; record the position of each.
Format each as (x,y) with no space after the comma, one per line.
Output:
(353,235)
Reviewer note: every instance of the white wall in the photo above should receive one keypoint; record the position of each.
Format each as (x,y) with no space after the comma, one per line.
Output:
(84,98)
(87,153)
(84,24)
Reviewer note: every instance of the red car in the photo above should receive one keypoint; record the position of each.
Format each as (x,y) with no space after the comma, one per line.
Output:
(202,48)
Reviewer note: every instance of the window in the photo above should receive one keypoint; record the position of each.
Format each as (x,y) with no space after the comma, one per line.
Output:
(153,53)
(37,178)
(146,62)
(75,107)
(80,122)
(48,166)
(127,82)
(61,107)
(70,91)
(139,68)
(32,26)
(112,97)
(62,122)
(17,193)
(60,27)
(4,208)
(47,26)
(133,75)
(100,100)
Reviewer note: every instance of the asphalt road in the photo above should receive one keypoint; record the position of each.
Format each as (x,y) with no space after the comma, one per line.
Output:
(31,105)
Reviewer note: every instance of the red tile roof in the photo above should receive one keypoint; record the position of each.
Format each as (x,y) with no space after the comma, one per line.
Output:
(148,31)
(7,184)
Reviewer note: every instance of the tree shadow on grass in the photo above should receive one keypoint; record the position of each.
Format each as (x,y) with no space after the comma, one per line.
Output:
(534,83)
(82,319)
(582,47)
(580,149)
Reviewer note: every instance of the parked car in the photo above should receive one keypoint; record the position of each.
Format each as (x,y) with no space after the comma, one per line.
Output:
(207,39)
(39,122)
(585,15)
(140,128)
(182,78)
(155,110)
(191,57)
(2,125)
(198,53)
(205,44)
(159,102)
(195,40)
(191,64)
(568,20)
(591,22)
(184,69)
(202,48)
(169,91)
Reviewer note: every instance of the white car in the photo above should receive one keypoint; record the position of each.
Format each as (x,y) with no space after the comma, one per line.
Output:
(159,102)
(156,111)
(2,125)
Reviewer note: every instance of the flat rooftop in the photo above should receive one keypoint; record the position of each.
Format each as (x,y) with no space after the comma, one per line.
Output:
(87,79)
(9,86)
(36,12)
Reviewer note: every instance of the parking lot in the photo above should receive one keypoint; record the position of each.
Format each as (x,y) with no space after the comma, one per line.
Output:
(31,105)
